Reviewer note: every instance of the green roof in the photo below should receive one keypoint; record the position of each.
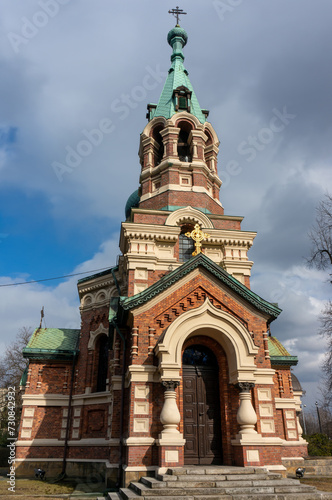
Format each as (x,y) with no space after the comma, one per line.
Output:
(279,354)
(177,77)
(201,260)
(97,275)
(52,343)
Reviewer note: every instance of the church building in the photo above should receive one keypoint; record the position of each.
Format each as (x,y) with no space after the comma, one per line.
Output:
(174,362)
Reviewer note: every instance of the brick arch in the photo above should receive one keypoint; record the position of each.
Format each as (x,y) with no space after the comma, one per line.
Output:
(94,336)
(188,215)
(183,116)
(157,121)
(210,132)
(219,325)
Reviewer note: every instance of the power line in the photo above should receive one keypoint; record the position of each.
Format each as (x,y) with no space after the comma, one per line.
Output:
(57,278)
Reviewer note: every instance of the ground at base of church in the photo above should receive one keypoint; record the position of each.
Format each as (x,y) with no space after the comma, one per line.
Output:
(31,489)
(320,482)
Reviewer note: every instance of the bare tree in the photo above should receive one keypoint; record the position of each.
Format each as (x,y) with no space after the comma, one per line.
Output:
(321,236)
(326,331)
(12,366)
(321,258)
(12,363)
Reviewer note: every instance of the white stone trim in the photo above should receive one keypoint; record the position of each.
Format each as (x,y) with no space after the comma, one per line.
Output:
(139,441)
(81,460)
(171,456)
(79,442)
(141,408)
(134,468)
(285,403)
(221,326)
(141,373)
(253,456)
(256,440)
(141,424)
(62,400)
(263,394)
(101,330)
(141,392)
(188,215)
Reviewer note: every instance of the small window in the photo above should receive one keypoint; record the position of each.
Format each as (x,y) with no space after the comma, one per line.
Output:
(183,102)
(102,364)
(186,245)
(182,97)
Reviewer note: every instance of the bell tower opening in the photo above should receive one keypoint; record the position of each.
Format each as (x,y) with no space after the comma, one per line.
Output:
(184,149)
(158,146)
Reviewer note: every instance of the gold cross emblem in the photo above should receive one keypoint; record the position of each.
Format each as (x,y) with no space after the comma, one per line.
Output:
(197,235)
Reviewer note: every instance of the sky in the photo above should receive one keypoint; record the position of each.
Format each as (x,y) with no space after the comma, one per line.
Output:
(75,79)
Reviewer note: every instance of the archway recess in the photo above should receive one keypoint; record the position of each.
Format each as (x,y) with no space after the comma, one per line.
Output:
(209,321)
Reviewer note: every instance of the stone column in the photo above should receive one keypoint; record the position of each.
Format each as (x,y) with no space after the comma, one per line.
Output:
(170,442)
(170,415)
(246,415)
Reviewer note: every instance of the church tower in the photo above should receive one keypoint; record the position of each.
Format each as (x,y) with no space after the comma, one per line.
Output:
(174,363)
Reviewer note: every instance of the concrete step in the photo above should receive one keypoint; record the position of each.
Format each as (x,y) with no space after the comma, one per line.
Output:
(112,496)
(282,496)
(219,483)
(212,470)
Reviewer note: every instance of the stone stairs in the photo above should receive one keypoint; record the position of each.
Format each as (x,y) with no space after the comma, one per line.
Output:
(218,482)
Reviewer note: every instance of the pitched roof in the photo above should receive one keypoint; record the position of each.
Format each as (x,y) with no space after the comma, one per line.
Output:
(52,343)
(200,260)
(177,77)
(279,354)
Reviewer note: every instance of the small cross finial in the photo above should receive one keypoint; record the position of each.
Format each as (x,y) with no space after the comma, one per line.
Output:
(41,316)
(197,235)
(176,13)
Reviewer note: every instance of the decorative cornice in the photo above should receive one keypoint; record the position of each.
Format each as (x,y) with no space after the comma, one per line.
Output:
(203,261)
(284,360)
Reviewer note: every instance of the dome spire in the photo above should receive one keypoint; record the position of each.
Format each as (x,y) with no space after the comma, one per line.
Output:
(177,83)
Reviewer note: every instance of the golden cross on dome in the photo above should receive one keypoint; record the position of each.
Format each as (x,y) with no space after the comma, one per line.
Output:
(197,235)
(176,13)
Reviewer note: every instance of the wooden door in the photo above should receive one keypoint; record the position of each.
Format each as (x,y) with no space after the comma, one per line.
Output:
(201,406)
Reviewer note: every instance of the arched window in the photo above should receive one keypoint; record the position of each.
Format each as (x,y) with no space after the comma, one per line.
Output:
(102,349)
(199,355)
(186,245)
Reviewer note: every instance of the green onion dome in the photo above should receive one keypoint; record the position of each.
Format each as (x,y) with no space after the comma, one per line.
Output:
(177,32)
(132,202)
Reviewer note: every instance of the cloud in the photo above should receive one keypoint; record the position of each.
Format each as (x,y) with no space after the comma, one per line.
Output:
(20,305)
(80,67)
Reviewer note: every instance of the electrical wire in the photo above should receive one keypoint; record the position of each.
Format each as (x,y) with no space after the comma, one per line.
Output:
(57,278)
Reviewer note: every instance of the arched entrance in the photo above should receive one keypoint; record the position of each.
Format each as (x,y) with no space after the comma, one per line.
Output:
(201,406)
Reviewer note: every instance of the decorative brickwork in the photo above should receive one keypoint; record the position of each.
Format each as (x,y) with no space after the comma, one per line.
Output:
(97,394)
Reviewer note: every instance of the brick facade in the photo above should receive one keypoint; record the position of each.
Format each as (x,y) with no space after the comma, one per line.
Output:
(152,306)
